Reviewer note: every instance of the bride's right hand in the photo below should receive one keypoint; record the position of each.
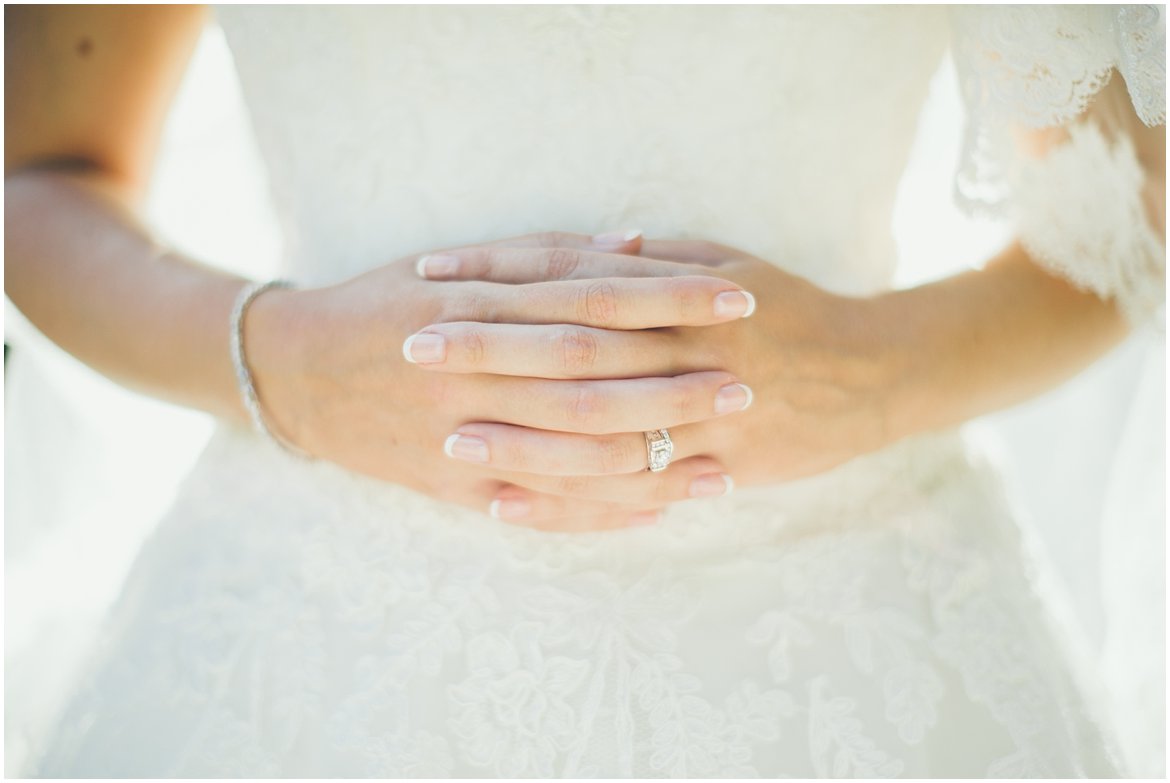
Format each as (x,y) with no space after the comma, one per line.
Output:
(330,370)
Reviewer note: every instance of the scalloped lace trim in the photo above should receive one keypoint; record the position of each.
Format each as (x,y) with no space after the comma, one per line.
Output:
(1079,211)
(1040,66)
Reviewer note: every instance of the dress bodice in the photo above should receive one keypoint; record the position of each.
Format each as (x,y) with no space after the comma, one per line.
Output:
(395,130)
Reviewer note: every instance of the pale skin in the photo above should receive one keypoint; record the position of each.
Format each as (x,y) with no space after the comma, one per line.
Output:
(548,367)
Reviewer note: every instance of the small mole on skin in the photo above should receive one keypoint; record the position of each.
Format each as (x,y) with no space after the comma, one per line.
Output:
(84,47)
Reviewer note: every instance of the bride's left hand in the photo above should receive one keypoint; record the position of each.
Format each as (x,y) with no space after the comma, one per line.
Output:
(820,368)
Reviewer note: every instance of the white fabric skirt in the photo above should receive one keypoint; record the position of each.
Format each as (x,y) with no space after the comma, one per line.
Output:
(292,618)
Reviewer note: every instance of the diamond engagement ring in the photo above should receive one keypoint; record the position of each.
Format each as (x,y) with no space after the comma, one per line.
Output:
(659,447)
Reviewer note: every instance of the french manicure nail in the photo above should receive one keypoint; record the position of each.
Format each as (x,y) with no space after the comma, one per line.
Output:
(711,485)
(438,266)
(509,508)
(466,447)
(425,348)
(734,304)
(616,237)
(733,397)
(643,518)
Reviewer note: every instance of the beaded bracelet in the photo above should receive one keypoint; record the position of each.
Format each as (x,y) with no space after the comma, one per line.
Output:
(243,375)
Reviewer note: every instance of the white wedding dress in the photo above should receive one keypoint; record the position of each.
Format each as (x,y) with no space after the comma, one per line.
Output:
(882,619)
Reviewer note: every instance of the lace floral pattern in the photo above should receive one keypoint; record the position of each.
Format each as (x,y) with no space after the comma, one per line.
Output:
(291,618)
(1079,209)
(845,652)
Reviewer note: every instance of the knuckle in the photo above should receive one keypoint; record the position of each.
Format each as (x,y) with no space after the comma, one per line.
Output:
(684,402)
(598,303)
(613,455)
(489,259)
(510,452)
(572,486)
(471,304)
(690,295)
(561,262)
(475,346)
(583,407)
(576,350)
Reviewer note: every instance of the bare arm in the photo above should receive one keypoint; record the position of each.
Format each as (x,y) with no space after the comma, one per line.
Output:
(87,88)
(988,339)
(86,92)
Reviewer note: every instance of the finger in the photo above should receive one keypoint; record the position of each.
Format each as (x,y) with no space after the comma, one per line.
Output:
(606,303)
(520,264)
(444,264)
(695,477)
(543,351)
(507,447)
(613,406)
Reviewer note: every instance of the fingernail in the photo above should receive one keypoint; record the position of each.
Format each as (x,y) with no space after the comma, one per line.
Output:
(425,348)
(733,397)
(437,266)
(734,304)
(466,447)
(711,485)
(509,508)
(617,237)
(643,518)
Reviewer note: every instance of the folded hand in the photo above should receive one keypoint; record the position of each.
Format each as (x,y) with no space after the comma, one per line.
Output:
(818,371)
(567,367)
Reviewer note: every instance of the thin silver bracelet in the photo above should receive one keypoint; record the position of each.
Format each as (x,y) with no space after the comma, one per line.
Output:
(243,375)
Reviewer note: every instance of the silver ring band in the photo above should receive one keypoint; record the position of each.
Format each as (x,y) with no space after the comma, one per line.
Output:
(659,448)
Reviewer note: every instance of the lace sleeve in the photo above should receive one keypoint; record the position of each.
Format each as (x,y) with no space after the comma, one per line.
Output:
(1062,147)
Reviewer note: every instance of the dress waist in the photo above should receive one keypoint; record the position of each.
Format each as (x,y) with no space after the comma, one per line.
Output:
(247,481)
